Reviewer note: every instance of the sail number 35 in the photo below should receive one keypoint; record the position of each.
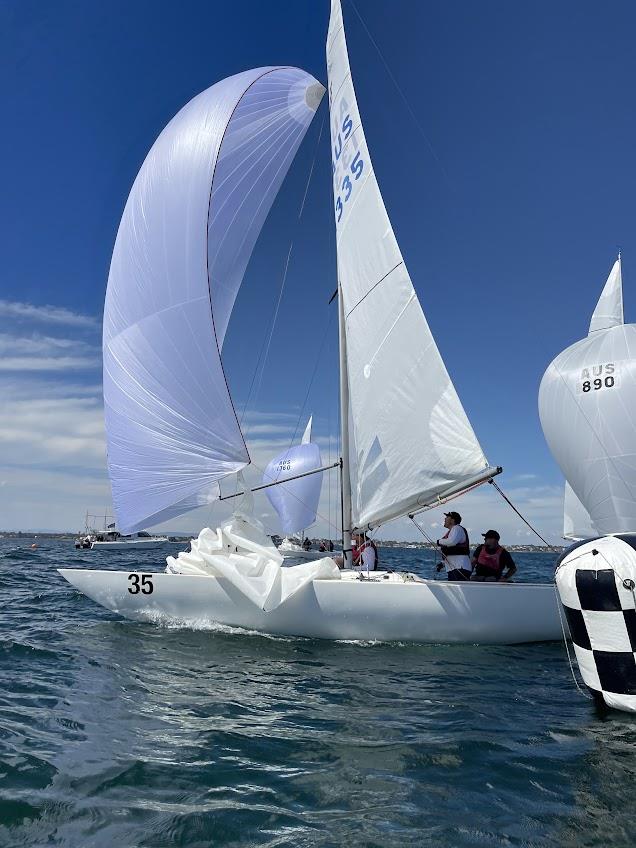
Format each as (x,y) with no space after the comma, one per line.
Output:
(140,583)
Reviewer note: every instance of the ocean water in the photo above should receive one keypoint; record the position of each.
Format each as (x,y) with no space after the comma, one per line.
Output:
(114,733)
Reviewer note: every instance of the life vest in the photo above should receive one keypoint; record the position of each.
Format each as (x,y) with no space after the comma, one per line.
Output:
(462,549)
(362,548)
(491,561)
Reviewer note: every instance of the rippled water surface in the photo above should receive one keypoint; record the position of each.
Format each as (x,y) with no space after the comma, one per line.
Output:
(114,733)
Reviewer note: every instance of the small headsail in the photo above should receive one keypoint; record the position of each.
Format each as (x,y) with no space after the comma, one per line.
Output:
(186,235)
(307,434)
(296,502)
(410,438)
(586,399)
(609,309)
(577,523)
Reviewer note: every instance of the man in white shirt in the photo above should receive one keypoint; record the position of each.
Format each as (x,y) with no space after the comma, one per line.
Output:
(366,557)
(455,548)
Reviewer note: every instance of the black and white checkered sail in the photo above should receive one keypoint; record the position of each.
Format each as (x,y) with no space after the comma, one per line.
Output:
(596,581)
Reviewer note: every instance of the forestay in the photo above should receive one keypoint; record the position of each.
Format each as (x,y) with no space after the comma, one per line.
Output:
(186,235)
(586,399)
(296,502)
(410,438)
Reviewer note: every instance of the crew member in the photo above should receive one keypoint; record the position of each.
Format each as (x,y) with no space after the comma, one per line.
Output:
(307,543)
(455,548)
(491,560)
(366,555)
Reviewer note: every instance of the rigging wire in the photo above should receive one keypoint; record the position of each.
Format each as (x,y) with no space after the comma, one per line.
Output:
(525,521)
(414,117)
(267,339)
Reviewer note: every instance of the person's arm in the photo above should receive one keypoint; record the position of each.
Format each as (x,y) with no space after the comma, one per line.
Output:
(476,555)
(509,565)
(455,537)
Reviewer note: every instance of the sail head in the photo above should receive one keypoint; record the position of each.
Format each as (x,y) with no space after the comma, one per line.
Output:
(410,438)
(609,309)
(185,237)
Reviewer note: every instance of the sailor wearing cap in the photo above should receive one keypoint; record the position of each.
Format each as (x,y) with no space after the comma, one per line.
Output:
(455,548)
(491,560)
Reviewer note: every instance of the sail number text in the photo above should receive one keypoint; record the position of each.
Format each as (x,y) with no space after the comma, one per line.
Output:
(351,165)
(140,583)
(597,377)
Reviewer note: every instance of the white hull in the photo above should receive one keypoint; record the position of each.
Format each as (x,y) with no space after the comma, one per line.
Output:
(427,611)
(128,544)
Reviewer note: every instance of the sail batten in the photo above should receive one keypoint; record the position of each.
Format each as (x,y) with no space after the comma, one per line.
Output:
(186,235)
(409,436)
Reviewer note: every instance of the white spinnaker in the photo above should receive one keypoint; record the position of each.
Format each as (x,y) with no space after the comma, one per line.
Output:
(411,439)
(577,524)
(586,402)
(186,235)
(296,502)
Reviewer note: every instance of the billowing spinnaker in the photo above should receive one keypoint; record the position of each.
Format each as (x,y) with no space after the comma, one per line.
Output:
(586,402)
(577,523)
(295,502)
(188,229)
(411,438)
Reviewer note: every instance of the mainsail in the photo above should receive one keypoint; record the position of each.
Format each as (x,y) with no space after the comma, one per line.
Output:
(185,238)
(410,440)
(586,399)
(296,502)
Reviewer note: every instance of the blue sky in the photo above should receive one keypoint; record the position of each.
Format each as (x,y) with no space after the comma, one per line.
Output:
(510,197)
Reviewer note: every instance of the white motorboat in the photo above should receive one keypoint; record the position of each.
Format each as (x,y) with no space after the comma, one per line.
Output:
(187,231)
(293,549)
(140,540)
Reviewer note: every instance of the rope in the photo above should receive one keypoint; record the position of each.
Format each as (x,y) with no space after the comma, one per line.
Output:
(428,539)
(527,523)
(267,340)
(567,648)
(404,99)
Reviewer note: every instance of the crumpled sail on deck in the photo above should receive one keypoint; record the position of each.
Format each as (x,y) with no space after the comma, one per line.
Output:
(296,502)
(185,238)
(586,402)
(410,438)
(241,554)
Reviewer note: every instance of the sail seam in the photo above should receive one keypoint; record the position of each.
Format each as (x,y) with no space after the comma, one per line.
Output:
(374,286)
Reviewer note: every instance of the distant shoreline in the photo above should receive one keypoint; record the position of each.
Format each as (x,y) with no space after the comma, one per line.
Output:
(382,543)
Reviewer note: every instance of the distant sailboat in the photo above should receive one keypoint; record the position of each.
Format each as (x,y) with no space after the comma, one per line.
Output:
(586,402)
(296,502)
(189,226)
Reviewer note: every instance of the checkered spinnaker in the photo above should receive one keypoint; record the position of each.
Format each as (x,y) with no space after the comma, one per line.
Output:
(596,582)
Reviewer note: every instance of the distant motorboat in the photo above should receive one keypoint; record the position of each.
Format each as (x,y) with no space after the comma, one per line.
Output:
(291,548)
(111,539)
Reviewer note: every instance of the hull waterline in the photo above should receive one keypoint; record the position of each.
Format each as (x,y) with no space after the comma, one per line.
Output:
(427,611)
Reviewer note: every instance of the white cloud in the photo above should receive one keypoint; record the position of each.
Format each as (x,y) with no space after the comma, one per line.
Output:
(55,363)
(46,314)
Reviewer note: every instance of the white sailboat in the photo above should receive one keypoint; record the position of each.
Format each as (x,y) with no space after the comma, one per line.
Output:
(586,400)
(296,501)
(172,433)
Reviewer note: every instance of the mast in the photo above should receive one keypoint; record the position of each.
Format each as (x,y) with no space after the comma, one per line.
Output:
(345,478)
